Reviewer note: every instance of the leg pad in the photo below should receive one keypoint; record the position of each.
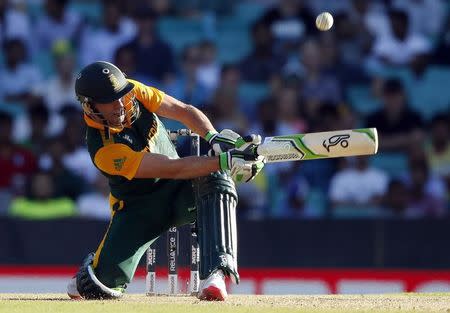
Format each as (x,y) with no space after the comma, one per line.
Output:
(216,201)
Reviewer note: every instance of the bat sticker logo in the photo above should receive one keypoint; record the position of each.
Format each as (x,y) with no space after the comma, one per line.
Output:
(335,140)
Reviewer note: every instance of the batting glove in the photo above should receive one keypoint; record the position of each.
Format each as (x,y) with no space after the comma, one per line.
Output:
(243,163)
(222,142)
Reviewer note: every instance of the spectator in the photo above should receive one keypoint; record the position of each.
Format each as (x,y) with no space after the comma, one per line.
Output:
(13,23)
(154,57)
(208,72)
(335,65)
(317,85)
(290,20)
(125,59)
(18,76)
(102,43)
(38,121)
(230,78)
(399,127)
(253,198)
(36,116)
(318,6)
(66,182)
(224,110)
(295,189)
(57,91)
(39,202)
(353,41)
(318,172)
(159,7)
(95,204)
(440,55)
(400,45)
(186,86)
(358,184)
(16,162)
(297,196)
(200,8)
(284,94)
(262,63)
(370,16)
(438,149)
(427,192)
(419,13)
(397,199)
(58,23)
(264,123)
(433,185)
(76,157)
(288,119)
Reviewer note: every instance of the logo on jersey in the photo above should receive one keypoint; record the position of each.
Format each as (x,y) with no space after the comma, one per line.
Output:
(118,163)
(127,138)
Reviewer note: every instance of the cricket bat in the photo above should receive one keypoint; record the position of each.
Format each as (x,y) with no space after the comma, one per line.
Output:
(311,146)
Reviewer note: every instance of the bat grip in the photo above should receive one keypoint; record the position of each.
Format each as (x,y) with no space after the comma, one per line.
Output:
(255,151)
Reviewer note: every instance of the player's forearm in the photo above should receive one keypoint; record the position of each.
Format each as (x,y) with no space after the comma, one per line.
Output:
(160,166)
(190,116)
(197,121)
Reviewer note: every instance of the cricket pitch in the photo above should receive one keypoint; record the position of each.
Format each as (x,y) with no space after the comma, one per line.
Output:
(406,302)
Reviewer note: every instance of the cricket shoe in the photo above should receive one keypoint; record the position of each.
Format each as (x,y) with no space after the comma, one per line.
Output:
(72,290)
(213,288)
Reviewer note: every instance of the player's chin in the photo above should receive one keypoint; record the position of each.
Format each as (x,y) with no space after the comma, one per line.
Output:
(116,121)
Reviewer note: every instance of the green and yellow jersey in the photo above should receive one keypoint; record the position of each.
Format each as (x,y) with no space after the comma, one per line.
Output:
(117,153)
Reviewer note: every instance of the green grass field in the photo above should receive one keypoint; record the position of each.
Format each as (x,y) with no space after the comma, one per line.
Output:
(39,303)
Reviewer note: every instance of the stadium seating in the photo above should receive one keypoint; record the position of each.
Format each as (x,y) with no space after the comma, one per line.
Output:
(232,45)
(427,94)
(316,203)
(251,94)
(430,95)
(347,212)
(395,164)
(91,10)
(180,32)
(15,109)
(248,11)
(361,99)
(44,61)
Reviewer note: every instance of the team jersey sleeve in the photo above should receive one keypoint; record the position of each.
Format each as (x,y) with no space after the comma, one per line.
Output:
(150,97)
(118,159)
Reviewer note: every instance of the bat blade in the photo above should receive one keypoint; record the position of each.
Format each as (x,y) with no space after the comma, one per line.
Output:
(311,146)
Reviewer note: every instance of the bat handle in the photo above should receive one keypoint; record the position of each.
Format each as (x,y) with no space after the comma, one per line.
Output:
(255,152)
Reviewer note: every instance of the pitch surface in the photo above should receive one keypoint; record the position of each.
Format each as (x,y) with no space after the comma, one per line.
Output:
(432,302)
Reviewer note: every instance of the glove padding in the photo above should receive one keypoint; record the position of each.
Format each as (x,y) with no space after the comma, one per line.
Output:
(222,142)
(242,162)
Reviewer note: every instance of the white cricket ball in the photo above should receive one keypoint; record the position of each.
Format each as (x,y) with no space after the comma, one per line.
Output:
(324,21)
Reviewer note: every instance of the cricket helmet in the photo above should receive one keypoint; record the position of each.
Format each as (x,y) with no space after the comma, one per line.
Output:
(102,82)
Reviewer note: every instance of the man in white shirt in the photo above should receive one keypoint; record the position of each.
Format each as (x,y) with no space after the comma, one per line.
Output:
(14,23)
(57,24)
(400,45)
(359,185)
(102,43)
(18,76)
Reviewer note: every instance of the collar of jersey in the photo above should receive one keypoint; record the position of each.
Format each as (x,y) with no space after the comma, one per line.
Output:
(91,123)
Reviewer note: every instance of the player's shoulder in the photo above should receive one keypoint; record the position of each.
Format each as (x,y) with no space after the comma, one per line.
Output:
(151,97)
(97,138)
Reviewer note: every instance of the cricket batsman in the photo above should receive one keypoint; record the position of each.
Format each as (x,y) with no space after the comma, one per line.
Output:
(152,188)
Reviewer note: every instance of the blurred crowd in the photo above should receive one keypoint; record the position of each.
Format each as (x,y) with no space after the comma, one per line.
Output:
(252,66)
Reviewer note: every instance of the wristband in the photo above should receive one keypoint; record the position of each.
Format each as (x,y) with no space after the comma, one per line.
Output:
(224,161)
(210,135)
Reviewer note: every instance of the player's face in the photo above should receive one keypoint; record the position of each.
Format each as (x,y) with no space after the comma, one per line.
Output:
(113,112)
